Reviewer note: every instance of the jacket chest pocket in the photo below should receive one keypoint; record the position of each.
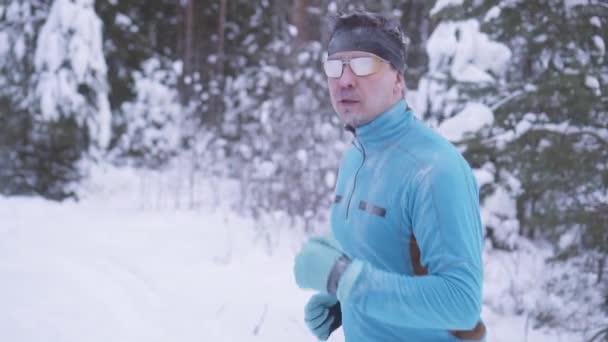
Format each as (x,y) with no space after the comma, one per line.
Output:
(372,208)
(370,212)
(372,221)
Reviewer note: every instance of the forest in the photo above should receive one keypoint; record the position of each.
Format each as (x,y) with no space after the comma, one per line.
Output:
(233,90)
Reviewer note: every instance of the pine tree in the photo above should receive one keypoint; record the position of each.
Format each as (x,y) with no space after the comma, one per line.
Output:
(554,100)
(54,95)
(71,114)
(134,32)
(72,70)
(546,147)
(20,21)
(141,47)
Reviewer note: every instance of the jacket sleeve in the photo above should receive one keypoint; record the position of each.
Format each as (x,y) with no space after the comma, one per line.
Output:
(442,208)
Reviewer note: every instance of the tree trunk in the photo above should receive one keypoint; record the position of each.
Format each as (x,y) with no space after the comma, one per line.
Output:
(220,43)
(213,115)
(188,52)
(301,22)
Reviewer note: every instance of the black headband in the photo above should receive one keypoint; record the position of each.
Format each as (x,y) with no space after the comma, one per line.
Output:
(369,39)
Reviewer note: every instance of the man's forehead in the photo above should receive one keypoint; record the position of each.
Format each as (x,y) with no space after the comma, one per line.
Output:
(350,54)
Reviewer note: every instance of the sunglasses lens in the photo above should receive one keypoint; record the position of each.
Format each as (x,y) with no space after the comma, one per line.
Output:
(363,66)
(333,68)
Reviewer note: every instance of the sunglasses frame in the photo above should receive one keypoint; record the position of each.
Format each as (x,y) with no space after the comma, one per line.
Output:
(377,65)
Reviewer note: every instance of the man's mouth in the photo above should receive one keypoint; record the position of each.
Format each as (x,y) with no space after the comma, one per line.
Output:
(348,101)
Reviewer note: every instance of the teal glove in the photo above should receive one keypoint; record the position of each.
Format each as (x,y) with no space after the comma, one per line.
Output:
(315,261)
(323,315)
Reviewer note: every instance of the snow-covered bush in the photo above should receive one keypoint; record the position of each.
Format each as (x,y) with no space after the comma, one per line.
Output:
(152,119)
(288,138)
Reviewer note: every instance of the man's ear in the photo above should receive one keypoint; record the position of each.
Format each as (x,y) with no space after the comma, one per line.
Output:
(399,88)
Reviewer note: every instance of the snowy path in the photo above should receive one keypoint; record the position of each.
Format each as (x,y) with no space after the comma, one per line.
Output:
(96,272)
(80,273)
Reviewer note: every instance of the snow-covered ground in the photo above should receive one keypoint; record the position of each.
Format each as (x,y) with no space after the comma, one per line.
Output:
(104,269)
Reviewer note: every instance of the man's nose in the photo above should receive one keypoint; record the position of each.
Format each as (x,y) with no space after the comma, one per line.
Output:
(348,78)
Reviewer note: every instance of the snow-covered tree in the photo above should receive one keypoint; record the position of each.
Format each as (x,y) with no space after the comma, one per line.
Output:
(289,139)
(20,21)
(152,119)
(72,71)
(67,113)
(463,63)
(284,138)
(53,94)
(539,135)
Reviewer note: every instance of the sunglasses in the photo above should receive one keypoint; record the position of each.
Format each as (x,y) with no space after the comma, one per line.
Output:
(361,66)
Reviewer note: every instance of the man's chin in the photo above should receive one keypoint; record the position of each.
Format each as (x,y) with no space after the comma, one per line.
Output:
(350,119)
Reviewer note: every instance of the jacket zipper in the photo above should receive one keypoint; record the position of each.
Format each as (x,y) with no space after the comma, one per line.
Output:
(359,146)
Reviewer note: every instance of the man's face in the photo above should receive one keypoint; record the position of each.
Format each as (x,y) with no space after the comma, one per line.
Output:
(359,99)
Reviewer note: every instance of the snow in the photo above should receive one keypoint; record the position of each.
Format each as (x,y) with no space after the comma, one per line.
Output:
(108,275)
(178,67)
(599,43)
(593,83)
(130,263)
(332,7)
(293,31)
(528,124)
(330,179)
(19,47)
(4,44)
(569,238)
(104,269)
(471,55)
(493,13)
(123,20)
(514,278)
(472,118)
(303,57)
(499,211)
(484,175)
(302,156)
(568,4)
(441,45)
(441,4)
(266,169)
(14,10)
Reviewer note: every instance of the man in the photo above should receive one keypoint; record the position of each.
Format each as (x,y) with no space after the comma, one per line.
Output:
(405,264)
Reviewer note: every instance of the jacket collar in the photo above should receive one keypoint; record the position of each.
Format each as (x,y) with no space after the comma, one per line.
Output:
(385,127)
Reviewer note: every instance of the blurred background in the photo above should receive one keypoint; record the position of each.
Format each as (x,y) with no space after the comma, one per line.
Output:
(194,108)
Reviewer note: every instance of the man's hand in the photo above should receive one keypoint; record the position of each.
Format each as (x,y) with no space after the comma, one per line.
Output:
(323,315)
(315,261)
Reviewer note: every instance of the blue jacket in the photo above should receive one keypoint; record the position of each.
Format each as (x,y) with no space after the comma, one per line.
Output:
(407,208)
